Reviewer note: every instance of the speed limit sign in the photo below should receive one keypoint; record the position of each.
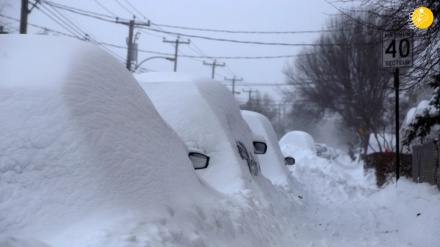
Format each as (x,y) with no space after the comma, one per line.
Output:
(397,49)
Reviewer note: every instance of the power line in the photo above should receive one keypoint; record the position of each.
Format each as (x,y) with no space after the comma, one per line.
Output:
(86,13)
(102,6)
(106,18)
(211,57)
(67,21)
(120,4)
(78,11)
(60,22)
(214,64)
(241,41)
(176,53)
(234,79)
(37,26)
(101,44)
(243,32)
(135,9)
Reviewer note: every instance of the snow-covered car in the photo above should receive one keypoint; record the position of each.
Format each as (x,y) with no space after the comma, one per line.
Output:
(198,158)
(259,142)
(322,150)
(297,141)
(273,163)
(82,147)
(206,116)
(333,152)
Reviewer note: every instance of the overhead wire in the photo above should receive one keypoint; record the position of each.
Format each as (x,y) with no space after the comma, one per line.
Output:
(244,32)
(45,29)
(240,41)
(197,50)
(135,9)
(120,4)
(71,22)
(87,37)
(41,27)
(90,14)
(87,13)
(102,6)
(60,22)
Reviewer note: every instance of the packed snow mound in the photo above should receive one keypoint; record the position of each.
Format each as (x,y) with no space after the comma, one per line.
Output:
(272,162)
(206,116)
(81,140)
(296,141)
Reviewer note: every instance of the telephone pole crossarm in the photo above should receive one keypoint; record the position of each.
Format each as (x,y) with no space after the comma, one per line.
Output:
(177,42)
(250,91)
(214,64)
(234,80)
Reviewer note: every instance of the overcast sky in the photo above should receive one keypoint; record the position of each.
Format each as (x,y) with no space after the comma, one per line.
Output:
(229,15)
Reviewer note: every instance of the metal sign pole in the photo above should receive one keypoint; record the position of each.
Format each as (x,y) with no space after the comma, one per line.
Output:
(397,49)
(396,85)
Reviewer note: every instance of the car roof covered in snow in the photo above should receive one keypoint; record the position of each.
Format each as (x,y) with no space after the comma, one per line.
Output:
(272,162)
(206,116)
(80,138)
(298,140)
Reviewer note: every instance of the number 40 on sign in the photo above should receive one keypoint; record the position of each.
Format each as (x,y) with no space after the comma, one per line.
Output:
(397,49)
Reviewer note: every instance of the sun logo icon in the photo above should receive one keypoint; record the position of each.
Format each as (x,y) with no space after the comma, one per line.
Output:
(422,17)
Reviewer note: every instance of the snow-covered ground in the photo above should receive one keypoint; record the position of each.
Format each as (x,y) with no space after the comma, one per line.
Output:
(86,160)
(345,208)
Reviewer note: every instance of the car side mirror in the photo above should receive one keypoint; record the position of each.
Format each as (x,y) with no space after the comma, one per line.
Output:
(289,161)
(199,161)
(260,147)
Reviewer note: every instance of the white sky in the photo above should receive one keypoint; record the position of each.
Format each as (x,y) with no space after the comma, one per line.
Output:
(244,15)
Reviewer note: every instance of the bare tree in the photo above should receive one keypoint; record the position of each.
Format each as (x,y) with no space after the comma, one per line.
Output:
(342,75)
(3,23)
(396,15)
(264,105)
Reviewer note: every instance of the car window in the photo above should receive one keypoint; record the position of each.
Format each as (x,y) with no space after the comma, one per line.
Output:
(253,166)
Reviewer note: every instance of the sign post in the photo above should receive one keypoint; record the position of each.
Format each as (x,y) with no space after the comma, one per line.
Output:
(397,52)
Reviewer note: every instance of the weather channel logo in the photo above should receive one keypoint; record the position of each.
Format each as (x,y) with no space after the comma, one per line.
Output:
(421,18)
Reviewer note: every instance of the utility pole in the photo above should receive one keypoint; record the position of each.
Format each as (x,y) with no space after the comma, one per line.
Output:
(250,96)
(279,115)
(25,11)
(177,42)
(1,30)
(131,25)
(233,83)
(24,16)
(214,64)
